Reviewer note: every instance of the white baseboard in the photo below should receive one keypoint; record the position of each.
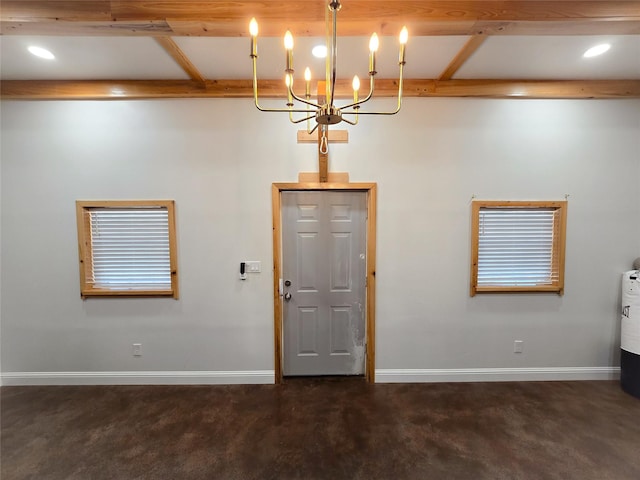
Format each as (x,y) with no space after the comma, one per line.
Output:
(139,378)
(496,374)
(268,376)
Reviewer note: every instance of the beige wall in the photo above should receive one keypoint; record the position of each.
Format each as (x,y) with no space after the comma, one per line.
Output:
(218,158)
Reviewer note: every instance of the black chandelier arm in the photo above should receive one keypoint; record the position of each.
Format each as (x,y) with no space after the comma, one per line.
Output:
(299,99)
(356,111)
(369,113)
(366,99)
(300,120)
(313,129)
(355,122)
(290,110)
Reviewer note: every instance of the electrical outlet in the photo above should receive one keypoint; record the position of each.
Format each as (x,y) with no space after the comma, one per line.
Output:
(137,349)
(517,346)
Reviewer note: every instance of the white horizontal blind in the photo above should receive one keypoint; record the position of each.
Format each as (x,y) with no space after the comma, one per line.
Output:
(516,247)
(130,248)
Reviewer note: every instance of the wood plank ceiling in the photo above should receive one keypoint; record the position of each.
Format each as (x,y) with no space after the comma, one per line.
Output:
(164,19)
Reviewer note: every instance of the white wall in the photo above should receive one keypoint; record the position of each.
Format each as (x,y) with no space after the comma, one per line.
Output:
(218,158)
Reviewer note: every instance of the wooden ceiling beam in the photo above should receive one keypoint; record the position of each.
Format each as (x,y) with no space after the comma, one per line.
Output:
(145,89)
(181,59)
(462,56)
(357,17)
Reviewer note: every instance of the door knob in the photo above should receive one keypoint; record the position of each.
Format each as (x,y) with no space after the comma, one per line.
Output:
(287,296)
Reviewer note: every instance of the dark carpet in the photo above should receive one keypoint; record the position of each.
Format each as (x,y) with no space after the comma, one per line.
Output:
(322,429)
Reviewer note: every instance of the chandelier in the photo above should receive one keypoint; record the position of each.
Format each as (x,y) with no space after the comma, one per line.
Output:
(326,113)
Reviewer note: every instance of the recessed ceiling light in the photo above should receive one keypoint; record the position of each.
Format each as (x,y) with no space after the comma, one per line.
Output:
(41,52)
(319,51)
(597,50)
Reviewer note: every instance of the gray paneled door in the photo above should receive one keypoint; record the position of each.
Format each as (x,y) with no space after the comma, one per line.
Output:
(324,271)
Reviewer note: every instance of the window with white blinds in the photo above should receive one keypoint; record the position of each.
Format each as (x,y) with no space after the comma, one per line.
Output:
(518,246)
(127,248)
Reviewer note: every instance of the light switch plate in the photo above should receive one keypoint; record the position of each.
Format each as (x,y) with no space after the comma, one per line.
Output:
(253,266)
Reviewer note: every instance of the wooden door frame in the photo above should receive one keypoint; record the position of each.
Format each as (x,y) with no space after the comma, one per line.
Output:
(370,288)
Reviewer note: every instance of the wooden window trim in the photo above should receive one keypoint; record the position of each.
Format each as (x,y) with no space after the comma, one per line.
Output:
(87,289)
(559,244)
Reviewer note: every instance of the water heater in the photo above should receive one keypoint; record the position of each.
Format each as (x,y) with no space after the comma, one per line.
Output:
(630,333)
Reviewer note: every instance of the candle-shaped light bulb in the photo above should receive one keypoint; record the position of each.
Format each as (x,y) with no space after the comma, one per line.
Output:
(373,47)
(307,79)
(356,83)
(253,27)
(288,45)
(288,40)
(356,86)
(253,30)
(374,43)
(404,36)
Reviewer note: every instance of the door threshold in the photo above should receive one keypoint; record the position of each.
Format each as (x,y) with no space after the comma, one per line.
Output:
(323,379)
